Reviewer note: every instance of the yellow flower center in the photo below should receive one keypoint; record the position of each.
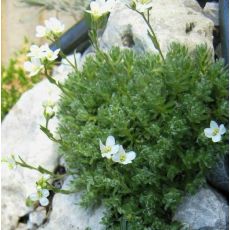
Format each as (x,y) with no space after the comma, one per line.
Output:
(215,131)
(122,157)
(107,149)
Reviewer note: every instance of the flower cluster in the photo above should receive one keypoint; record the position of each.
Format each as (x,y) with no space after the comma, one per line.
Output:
(40,57)
(43,56)
(42,193)
(52,30)
(116,152)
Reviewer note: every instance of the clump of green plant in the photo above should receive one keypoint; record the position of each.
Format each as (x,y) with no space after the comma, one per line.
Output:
(15,81)
(159,109)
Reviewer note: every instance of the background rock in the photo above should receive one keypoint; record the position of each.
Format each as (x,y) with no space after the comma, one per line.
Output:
(37,217)
(211,10)
(22,136)
(172,21)
(67,214)
(205,210)
(218,176)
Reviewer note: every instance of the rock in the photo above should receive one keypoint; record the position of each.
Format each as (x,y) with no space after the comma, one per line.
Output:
(22,226)
(211,10)
(218,176)
(67,214)
(61,72)
(205,210)
(172,21)
(37,217)
(22,136)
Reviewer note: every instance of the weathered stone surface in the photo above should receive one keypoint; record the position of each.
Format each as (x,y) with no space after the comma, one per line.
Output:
(36,218)
(21,135)
(173,21)
(205,210)
(218,176)
(211,10)
(67,214)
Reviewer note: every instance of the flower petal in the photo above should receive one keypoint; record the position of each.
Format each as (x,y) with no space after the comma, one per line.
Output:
(110,141)
(213,125)
(34,197)
(208,132)
(222,129)
(216,138)
(131,155)
(41,31)
(101,145)
(107,155)
(46,176)
(121,149)
(44,201)
(116,157)
(115,149)
(45,192)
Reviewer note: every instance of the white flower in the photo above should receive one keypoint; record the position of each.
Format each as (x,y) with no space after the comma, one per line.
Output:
(48,103)
(36,52)
(49,112)
(43,52)
(142,5)
(55,26)
(33,67)
(41,31)
(52,27)
(49,109)
(11,162)
(122,157)
(41,196)
(100,7)
(215,132)
(109,148)
(43,181)
(48,53)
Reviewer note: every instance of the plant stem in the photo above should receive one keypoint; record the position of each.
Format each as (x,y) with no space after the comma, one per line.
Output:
(70,63)
(53,81)
(156,43)
(95,43)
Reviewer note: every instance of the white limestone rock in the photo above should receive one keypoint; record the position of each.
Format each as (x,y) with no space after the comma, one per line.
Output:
(173,21)
(36,218)
(211,10)
(22,136)
(205,210)
(67,214)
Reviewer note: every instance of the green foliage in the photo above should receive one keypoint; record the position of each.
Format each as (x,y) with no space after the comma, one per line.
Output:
(160,111)
(15,81)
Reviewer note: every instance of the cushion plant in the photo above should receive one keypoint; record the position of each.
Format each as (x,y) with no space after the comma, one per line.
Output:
(154,108)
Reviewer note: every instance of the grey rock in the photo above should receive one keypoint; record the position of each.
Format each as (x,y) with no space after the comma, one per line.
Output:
(218,176)
(205,210)
(37,217)
(172,21)
(67,213)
